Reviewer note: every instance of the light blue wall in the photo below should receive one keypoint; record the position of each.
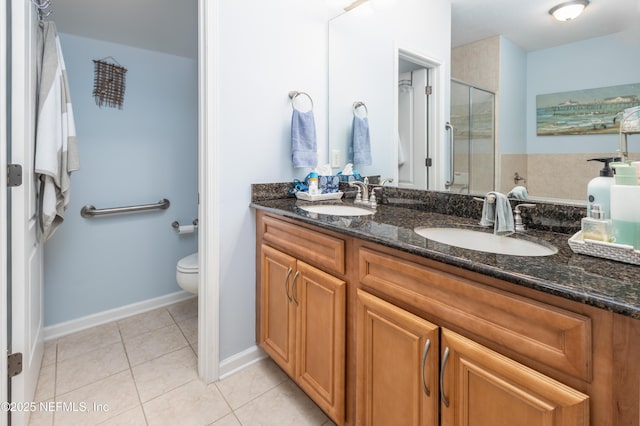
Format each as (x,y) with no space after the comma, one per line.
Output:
(137,155)
(512,98)
(599,62)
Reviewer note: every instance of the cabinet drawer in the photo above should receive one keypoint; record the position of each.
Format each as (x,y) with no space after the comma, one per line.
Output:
(318,249)
(558,338)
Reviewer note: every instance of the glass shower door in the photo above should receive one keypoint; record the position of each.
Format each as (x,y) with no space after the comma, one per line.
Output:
(473,121)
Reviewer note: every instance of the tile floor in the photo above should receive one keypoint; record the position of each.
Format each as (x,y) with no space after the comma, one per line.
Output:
(142,370)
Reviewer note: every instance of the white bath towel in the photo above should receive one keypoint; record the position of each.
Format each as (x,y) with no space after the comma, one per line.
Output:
(498,214)
(56,148)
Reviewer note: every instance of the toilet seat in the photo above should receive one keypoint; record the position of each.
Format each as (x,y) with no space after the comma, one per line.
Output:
(189,264)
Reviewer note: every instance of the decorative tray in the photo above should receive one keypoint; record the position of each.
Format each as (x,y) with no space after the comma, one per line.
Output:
(613,251)
(319,197)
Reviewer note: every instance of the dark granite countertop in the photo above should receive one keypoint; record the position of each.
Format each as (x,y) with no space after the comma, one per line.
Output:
(602,283)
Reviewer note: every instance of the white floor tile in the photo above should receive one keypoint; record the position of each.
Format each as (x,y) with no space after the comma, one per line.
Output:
(50,352)
(228,420)
(132,417)
(183,310)
(90,367)
(153,344)
(192,404)
(189,328)
(144,323)
(251,382)
(283,405)
(103,400)
(160,375)
(41,417)
(87,341)
(108,370)
(46,383)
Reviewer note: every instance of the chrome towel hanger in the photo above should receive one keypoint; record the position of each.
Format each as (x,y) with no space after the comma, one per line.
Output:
(294,94)
(358,104)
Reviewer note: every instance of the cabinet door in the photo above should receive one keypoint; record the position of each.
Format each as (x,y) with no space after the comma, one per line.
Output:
(277,312)
(480,387)
(320,368)
(397,365)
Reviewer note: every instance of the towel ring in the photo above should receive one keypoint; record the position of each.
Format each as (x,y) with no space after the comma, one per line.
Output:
(357,105)
(294,94)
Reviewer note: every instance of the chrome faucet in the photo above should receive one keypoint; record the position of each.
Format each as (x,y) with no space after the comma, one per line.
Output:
(366,197)
(363,191)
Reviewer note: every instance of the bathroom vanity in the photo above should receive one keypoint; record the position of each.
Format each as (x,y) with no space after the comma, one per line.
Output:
(381,326)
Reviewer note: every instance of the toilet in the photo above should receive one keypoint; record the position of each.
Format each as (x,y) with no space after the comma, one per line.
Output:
(188,272)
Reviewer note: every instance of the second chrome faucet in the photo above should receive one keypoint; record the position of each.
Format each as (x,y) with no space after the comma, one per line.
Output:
(366,197)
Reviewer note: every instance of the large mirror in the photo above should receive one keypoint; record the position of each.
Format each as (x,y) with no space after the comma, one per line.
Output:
(364,65)
(380,61)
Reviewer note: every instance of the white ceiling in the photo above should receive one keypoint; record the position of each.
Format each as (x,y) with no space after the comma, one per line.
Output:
(170,26)
(528,24)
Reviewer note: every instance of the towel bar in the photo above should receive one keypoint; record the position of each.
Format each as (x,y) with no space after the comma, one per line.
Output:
(90,211)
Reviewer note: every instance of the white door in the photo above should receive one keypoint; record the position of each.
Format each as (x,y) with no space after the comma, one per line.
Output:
(413,129)
(3,215)
(26,251)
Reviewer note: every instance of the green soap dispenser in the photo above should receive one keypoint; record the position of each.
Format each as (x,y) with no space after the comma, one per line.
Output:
(599,188)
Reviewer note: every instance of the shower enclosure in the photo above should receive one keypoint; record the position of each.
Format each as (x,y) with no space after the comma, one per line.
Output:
(473,150)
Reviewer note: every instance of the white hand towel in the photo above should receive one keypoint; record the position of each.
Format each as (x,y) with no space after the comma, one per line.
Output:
(56,149)
(498,214)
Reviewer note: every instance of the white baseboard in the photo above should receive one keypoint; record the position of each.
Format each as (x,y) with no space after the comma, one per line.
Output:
(240,361)
(62,329)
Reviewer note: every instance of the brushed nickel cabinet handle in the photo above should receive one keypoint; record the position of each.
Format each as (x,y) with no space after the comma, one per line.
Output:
(286,284)
(293,288)
(445,401)
(427,345)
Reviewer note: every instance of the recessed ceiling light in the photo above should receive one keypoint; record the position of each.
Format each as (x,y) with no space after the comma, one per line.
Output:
(568,10)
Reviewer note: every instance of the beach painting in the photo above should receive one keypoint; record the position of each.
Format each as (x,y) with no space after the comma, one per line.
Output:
(584,112)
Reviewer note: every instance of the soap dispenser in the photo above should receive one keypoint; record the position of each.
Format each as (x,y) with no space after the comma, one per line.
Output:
(599,188)
(595,227)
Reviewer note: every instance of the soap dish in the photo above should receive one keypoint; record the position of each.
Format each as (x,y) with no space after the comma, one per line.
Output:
(619,252)
(319,197)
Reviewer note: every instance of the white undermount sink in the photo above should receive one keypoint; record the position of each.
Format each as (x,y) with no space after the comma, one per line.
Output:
(483,241)
(337,210)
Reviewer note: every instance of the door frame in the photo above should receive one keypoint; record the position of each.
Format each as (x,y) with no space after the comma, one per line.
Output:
(436,112)
(208,306)
(209,193)
(4,394)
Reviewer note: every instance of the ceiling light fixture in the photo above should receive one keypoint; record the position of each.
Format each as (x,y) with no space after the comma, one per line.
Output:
(568,10)
(355,4)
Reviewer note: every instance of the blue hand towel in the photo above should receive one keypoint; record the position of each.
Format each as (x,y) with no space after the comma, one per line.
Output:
(304,147)
(498,214)
(360,147)
(519,192)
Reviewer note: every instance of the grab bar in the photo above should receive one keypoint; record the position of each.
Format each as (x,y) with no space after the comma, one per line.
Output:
(452,150)
(90,211)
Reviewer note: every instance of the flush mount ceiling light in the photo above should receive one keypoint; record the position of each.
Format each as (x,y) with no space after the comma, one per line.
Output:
(568,10)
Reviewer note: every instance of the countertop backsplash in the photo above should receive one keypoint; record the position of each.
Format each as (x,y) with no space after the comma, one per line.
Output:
(546,216)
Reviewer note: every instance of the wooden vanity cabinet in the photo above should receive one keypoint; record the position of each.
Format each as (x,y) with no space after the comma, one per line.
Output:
(379,336)
(397,364)
(480,386)
(302,316)
(400,381)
